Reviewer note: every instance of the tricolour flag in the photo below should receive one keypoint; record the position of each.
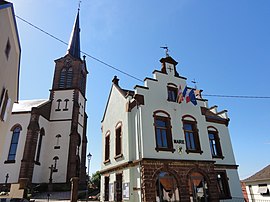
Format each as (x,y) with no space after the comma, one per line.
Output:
(192,97)
(186,94)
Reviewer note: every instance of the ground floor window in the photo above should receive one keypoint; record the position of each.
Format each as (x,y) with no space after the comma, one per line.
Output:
(166,188)
(198,188)
(223,185)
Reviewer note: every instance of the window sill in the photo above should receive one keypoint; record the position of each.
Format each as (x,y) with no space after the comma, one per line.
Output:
(9,161)
(165,149)
(225,197)
(118,156)
(194,151)
(171,100)
(37,163)
(218,157)
(107,161)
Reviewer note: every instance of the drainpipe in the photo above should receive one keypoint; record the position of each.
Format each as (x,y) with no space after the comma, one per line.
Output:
(139,132)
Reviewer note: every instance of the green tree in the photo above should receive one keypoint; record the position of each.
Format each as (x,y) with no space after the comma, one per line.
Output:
(95,179)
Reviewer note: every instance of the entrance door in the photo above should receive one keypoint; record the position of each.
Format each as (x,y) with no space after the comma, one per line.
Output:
(198,188)
(166,188)
(118,187)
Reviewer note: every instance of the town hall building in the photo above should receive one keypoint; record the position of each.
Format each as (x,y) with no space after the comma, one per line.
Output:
(162,142)
(46,140)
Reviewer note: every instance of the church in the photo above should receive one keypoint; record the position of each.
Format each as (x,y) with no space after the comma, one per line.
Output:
(162,142)
(46,139)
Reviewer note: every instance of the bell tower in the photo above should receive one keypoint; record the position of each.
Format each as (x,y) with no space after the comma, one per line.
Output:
(68,105)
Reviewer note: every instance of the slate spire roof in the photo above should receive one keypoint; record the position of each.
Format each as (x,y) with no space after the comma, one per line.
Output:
(74,41)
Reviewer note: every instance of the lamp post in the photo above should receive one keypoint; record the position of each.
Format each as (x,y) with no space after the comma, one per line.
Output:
(89,156)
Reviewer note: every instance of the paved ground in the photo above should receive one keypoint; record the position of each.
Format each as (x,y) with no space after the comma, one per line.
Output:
(54,197)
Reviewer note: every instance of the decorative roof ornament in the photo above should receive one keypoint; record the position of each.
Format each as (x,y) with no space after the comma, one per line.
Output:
(166,50)
(74,41)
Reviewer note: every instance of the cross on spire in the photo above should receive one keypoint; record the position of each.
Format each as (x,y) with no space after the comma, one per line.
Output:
(79,5)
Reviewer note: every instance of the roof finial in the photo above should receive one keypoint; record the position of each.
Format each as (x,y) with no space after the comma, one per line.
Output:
(166,50)
(79,5)
(195,83)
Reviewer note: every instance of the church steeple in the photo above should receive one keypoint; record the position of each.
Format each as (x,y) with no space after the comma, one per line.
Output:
(70,70)
(74,41)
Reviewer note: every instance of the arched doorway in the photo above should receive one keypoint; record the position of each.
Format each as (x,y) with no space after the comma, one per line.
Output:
(166,188)
(198,188)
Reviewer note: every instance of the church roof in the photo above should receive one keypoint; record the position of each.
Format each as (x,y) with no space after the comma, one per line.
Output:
(263,174)
(74,41)
(26,105)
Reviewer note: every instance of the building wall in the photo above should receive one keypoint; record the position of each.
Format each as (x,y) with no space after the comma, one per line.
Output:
(13,169)
(62,113)
(141,141)
(9,67)
(49,151)
(252,190)
(116,114)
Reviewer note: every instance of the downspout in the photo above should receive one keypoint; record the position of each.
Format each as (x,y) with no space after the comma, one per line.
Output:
(139,132)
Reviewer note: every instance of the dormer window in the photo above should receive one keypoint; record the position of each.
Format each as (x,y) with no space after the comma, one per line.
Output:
(172,92)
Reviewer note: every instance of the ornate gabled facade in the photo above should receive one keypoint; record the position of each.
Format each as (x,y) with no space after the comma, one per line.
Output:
(46,142)
(162,142)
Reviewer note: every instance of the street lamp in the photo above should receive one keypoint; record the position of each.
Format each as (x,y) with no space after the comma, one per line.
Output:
(89,156)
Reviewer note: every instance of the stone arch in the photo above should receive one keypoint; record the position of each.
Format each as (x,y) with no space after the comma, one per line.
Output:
(199,184)
(166,183)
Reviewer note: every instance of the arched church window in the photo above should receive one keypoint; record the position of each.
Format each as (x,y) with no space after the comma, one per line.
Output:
(57,146)
(56,158)
(14,143)
(58,104)
(166,187)
(69,78)
(41,134)
(62,78)
(66,105)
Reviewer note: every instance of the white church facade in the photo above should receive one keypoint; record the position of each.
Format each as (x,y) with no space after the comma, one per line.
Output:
(46,139)
(162,142)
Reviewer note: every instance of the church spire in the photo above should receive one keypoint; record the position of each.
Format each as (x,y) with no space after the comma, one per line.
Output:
(74,41)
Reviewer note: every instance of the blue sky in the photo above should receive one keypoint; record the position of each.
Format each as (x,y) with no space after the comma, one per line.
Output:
(224,45)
